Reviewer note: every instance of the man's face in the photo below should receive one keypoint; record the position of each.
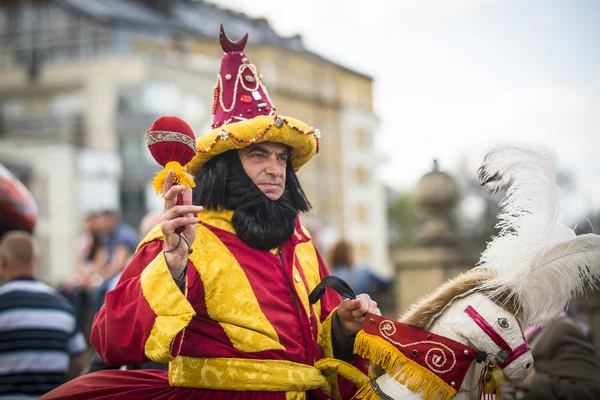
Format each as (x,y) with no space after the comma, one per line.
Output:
(265,163)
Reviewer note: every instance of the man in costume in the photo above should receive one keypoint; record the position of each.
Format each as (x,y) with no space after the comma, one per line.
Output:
(220,289)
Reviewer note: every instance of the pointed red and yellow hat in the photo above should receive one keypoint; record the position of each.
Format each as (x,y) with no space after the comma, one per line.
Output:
(245,114)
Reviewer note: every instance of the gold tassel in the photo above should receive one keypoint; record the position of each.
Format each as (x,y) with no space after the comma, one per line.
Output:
(493,381)
(404,370)
(180,178)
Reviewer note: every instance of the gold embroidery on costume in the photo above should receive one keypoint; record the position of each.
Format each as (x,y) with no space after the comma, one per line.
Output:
(229,297)
(218,219)
(307,257)
(173,311)
(242,374)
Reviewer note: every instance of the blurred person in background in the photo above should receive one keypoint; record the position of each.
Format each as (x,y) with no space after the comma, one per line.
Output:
(360,278)
(91,258)
(39,339)
(120,241)
(149,221)
(566,364)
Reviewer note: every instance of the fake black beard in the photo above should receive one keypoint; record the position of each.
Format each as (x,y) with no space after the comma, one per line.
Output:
(260,222)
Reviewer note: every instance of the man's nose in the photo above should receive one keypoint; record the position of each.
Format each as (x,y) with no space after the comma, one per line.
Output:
(273,168)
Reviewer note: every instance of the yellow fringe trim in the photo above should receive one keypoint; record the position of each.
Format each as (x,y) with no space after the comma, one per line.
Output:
(366,393)
(180,178)
(404,370)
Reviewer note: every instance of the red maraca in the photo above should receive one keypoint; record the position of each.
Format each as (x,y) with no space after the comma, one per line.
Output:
(172,143)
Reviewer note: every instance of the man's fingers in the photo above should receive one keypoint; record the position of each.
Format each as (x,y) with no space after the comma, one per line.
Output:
(175,223)
(171,196)
(360,311)
(168,182)
(362,305)
(181,211)
(187,196)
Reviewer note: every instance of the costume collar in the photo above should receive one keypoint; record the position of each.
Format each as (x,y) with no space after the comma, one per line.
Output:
(222,220)
(219,219)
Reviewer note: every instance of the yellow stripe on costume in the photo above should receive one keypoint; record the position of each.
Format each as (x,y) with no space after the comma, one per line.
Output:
(229,297)
(173,311)
(307,257)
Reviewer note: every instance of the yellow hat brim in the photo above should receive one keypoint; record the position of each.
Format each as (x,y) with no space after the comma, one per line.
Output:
(302,139)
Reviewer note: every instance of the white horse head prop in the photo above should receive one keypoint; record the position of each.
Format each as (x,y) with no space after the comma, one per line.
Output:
(526,276)
(460,313)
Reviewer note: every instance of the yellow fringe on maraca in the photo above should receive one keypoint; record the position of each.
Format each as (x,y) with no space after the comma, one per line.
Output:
(404,370)
(180,178)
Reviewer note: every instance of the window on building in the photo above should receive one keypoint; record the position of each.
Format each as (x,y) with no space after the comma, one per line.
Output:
(362,213)
(364,251)
(361,138)
(13,108)
(350,94)
(66,104)
(133,204)
(328,87)
(269,71)
(161,98)
(131,150)
(362,175)
(193,109)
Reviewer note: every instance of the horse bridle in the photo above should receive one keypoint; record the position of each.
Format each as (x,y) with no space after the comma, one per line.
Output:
(507,354)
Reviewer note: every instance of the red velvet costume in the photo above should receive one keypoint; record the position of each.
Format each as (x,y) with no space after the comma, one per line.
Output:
(238,305)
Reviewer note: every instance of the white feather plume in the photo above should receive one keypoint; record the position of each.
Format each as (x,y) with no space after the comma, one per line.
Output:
(538,260)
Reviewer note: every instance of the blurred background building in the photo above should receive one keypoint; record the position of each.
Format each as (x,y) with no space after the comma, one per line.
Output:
(82,81)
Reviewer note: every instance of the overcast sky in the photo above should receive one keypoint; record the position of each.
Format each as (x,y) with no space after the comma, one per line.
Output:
(456,77)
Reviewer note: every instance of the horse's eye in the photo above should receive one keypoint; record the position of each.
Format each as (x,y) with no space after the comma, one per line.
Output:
(503,322)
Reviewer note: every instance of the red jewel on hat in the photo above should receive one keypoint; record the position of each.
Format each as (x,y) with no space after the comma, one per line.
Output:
(246,99)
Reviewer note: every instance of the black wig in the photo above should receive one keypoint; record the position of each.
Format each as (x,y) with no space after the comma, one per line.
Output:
(222,184)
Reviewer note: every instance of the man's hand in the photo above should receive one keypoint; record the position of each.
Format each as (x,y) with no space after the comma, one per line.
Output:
(173,217)
(352,312)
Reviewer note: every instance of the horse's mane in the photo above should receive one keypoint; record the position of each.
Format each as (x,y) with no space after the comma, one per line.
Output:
(420,313)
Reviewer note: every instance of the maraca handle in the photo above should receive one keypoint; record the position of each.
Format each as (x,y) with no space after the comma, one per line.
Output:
(179,203)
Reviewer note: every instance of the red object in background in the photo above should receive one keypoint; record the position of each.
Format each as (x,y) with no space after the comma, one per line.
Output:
(18,210)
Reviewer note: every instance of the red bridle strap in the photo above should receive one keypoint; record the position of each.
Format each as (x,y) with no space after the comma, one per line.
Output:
(495,336)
